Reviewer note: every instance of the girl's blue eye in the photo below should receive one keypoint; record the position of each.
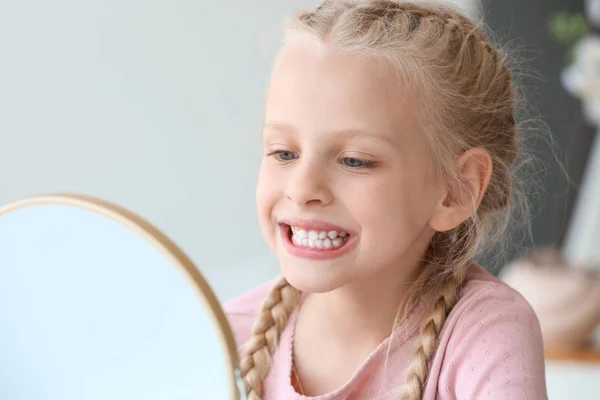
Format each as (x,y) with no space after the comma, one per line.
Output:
(283,155)
(353,162)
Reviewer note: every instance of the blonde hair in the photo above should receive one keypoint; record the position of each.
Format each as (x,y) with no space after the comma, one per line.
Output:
(467,99)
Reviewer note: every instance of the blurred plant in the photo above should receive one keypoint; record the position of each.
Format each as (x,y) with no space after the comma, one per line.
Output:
(568,29)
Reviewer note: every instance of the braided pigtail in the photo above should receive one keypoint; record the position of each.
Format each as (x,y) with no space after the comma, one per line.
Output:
(273,317)
(453,252)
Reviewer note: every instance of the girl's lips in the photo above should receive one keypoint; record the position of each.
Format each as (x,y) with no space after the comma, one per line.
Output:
(312,253)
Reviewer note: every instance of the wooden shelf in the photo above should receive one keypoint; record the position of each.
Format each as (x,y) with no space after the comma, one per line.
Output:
(581,354)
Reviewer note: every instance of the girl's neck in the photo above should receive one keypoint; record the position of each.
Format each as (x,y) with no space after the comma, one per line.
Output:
(362,313)
(347,325)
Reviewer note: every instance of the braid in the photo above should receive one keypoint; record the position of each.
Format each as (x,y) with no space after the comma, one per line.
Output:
(452,250)
(417,371)
(274,313)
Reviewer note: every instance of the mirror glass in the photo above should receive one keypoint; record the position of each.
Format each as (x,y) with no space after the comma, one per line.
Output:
(91,310)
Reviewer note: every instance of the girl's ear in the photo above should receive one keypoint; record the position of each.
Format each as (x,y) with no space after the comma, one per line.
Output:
(460,199)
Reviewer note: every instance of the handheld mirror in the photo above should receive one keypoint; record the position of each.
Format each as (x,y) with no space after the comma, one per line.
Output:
(97,304)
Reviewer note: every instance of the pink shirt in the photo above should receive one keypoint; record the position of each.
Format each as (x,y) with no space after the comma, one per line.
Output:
(490,348)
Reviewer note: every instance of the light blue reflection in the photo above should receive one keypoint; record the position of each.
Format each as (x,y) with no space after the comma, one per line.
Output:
(90,311)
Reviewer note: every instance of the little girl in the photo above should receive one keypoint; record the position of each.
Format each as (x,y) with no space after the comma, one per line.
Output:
(389,142)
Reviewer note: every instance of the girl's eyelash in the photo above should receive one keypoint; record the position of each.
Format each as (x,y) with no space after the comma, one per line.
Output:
(364,163)
(278,152)
(274,152)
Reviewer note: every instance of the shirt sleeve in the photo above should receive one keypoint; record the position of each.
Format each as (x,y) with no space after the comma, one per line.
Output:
(495,351)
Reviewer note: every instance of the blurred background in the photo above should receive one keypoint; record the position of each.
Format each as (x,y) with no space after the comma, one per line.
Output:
(157,106)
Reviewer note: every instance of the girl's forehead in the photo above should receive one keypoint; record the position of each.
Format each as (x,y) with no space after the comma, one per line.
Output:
(329,91)
(310,62)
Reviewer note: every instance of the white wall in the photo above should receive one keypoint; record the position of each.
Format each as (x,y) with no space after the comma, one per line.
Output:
(155,105)
(471,7)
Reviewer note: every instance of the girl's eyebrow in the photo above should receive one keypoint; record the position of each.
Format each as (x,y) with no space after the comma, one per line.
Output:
(287,128)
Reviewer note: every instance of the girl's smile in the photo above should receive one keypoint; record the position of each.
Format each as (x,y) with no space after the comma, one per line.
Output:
(315,239)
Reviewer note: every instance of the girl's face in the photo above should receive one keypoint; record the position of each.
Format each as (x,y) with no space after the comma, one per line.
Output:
(344,191)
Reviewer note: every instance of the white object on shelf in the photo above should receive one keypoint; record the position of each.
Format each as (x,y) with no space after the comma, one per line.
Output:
(592,10)
(582,242)
(582,78)
(570,380)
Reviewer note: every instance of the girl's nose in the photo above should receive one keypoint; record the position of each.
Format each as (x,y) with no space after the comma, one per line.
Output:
(308,185)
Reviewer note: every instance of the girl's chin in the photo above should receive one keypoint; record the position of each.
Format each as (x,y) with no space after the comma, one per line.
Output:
(311,279)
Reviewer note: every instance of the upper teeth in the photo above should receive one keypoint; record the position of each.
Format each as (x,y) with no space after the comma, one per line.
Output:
(318,239)
(303,233)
